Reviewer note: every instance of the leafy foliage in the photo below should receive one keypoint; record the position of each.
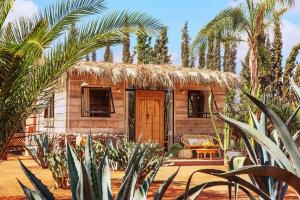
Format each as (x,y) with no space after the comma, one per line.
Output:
(57,160)
(273,169)
(89,181)
(251,18)
(44,145)
(185,46)
(160,51)
(288,70)
(35,52)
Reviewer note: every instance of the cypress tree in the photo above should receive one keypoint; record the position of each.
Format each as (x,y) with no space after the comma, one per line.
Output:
(297,75)
(161,52)
(289,67)
(277,58)
(94,56)
(143,49)
(210,53)
(233,56)
(108,56)
(217,54)
(245,72)
(126,58)
(185,49)
(227,55)
(201,56)
(148,52)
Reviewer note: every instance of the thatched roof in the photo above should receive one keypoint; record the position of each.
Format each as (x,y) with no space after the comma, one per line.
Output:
(156,75)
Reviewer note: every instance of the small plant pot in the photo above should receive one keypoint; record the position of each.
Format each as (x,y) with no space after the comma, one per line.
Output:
(185,154)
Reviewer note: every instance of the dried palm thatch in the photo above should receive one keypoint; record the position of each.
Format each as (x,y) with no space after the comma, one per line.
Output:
(156,75)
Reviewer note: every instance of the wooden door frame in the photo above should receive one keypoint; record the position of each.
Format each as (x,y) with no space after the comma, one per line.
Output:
(164,125)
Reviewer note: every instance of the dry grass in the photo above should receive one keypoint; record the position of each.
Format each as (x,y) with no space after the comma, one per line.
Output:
(156,75)
(10,190)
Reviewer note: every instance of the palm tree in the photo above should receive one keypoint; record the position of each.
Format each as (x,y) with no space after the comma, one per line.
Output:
(35,52)
(250,18)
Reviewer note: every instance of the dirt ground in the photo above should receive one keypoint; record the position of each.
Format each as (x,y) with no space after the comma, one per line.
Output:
(10,171)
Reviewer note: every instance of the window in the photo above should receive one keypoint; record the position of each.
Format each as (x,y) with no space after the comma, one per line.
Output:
(96,102)
(197,104)
(49,111)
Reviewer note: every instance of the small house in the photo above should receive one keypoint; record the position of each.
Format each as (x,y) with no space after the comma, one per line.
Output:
(161,102)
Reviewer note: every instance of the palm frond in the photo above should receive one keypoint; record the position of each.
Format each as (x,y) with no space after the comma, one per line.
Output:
(5,7)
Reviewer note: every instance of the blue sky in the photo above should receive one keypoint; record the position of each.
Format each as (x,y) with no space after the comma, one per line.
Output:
(174,13)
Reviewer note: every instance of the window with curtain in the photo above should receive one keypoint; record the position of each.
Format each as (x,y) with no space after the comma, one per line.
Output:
(197,104)
(96,102)
(49,111)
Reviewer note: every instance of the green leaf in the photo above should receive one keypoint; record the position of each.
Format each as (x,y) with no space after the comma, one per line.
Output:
(103,178)
(84,187)
(263,140)
(195,191)
(282,131)
(142,190)
(41,189)
(29,194)
(73,170)
(275,172)
(163,188)
(88,155)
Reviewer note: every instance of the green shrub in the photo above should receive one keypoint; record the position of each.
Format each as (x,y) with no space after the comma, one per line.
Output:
(57,160)
(174,148)
(273,162)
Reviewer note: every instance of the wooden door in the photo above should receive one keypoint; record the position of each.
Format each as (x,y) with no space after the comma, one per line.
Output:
(150,116)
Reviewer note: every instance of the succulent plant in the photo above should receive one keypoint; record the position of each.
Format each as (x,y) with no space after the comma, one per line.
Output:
(276,165)
(44,145)
(89,181)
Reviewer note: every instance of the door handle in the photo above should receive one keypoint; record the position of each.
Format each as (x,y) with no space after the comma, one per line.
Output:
(147,116)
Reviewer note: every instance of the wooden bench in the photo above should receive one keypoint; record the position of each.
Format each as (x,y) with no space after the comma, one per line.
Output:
(201,144)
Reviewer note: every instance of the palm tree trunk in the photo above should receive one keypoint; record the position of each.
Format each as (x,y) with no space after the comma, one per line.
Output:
(253,65)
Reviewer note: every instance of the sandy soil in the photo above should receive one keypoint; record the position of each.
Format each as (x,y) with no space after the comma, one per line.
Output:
(10,171)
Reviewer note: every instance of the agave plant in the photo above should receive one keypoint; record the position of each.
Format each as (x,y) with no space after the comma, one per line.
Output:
(276,165)
(91,182)
(44,145)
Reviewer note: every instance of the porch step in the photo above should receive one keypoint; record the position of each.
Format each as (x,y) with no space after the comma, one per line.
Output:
(193,162)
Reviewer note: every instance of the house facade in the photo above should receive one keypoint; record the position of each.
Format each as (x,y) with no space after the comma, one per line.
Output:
(161,103)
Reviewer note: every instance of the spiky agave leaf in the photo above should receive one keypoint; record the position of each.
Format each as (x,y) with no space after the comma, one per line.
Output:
(219,173)
(40,188)
(84,188)
(263,140)
(163,188)
(282,131)
(195,191)
(127,188)
(73,170)
(142,190)
(29,194)
(88,155)
(275,172)
(103,178)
